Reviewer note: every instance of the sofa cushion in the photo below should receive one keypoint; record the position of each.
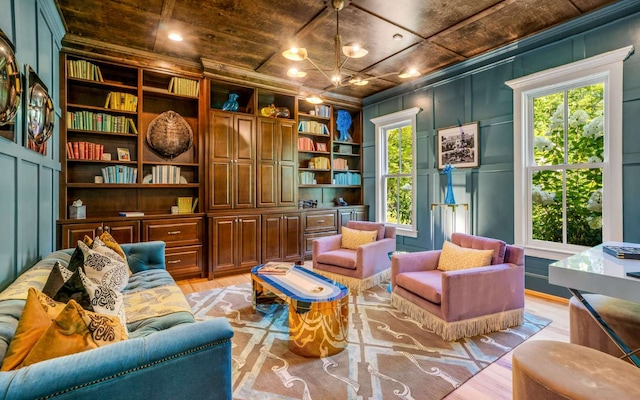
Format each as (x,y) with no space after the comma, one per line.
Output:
(344,258)
(426,284)
(104,266)
(454,257)
(71,288)
(75,330)
(104,300)
(353,238)
(39,311)
(368,226)
(110,242)
(482,243)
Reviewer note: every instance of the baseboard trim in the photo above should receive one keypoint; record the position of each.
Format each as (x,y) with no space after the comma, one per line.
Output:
(546,296)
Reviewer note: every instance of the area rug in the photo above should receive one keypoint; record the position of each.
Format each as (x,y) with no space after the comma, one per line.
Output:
(389,356)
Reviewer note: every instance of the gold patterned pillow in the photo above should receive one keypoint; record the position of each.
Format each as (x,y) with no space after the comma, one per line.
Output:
(353,238)
(104,266)
(454,257)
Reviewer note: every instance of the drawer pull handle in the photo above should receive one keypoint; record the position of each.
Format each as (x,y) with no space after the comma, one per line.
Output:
(173,261)
(320,221)
(173,233)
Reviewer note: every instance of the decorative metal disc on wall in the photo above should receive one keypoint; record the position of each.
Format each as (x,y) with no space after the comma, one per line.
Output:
(40,114)
(169,134)
(10,86)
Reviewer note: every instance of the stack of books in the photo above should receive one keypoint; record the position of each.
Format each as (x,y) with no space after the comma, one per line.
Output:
(623,252)
(313,127)
(121,101)
(276,268)
(119,174)
(89,121)
(84,151)
(84,70)
(184,86)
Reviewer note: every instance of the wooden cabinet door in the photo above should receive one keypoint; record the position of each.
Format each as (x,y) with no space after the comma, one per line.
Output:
(271,237)
(267,178)
(220,158)
(291,237)
(223,243)
(287,177)
(244,182)
(73,232)
(344,216)
(248,241)
(123,231)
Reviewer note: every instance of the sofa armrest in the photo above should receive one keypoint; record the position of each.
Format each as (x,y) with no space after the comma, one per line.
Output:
(480,291)
(145,255)
(373,257)
(324,244)
(413,262)
(186,361)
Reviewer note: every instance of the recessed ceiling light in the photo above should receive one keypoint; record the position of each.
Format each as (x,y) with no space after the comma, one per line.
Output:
(176,37)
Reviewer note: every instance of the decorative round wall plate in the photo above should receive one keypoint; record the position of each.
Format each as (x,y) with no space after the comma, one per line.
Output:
(10,86)
(169,134)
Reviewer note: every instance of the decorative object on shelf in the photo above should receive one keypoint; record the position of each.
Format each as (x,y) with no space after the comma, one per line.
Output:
(337,75)
(458,146)
(39,110)
(449,199)
(340,202)
(344,123)
(321,147)
(308,204)
(169,134)
(232,103)
(10,84)
(77,210)
(275,112)
(185,205)
(123,154)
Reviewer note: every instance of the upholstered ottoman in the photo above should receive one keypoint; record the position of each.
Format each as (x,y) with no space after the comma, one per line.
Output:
(621,315)
(544,369)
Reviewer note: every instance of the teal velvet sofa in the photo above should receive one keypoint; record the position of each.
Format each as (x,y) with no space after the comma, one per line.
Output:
(165,357)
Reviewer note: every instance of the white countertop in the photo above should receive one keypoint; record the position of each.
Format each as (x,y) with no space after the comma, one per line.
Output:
(598,272)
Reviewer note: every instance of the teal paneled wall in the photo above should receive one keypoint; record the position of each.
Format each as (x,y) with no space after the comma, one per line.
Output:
(29,181)
(476,91)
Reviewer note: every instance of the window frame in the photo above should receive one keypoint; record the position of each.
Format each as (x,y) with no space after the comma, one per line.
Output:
(606,68)
(382,125)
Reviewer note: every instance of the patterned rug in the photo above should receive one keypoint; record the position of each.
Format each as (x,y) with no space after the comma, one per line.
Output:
(389,356)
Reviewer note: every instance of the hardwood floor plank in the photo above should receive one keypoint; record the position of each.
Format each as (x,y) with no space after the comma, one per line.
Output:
(492,383)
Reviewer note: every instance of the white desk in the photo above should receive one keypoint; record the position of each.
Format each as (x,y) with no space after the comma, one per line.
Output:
(598,272)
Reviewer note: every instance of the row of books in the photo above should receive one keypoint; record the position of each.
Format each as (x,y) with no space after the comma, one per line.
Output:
(119,174)
(313,127)
(323,111)
(165,174)
(84,70)
(90,121)
(121,101)
(339,163)
(306,144)
(306,177)
(184,86)
(347,178)
(84,151)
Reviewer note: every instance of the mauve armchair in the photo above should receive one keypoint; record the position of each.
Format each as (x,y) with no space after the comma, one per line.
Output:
(359,269)
(466,302)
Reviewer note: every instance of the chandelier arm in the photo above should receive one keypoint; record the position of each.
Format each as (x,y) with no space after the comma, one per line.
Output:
(319,69)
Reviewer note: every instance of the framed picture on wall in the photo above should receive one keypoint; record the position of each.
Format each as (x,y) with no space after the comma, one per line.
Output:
(458,146)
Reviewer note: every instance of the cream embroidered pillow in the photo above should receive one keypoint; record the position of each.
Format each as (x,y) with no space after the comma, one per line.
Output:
(454,257)
(353,238)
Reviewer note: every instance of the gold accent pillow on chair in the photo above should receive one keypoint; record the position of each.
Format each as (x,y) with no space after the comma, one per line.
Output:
(353,238)
(454,257)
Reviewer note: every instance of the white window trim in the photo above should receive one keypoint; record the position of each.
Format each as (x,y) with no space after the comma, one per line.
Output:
(400,118)
(607,67)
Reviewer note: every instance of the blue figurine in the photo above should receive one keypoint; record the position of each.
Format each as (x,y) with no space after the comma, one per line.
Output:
(231,104)
(449,199)
(344,123)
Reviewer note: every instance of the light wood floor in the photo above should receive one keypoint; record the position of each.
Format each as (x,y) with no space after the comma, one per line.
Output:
(492,383)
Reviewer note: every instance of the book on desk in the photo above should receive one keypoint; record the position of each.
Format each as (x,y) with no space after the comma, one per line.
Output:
(276,268)
(623,252)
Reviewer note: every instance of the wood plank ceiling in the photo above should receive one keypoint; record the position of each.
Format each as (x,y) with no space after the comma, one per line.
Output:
(251,34)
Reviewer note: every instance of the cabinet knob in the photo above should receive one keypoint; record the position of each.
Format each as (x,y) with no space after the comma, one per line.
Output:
(320,221)
(173,233)
(173,261)
(106,229)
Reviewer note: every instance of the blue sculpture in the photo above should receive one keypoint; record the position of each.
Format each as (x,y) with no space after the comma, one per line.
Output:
(344,123)
(231,104)
(449,199)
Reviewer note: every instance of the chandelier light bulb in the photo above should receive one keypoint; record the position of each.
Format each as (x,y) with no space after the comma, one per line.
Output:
(409,73)
(296,73)
(354,50)
(314,99)
(295,53)
(176,37)
(358,81)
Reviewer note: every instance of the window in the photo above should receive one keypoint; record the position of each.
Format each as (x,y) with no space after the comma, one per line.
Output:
(396,171)
(567,156)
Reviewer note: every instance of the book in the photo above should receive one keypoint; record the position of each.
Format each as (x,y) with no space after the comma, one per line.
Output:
(276,268)
(131,214)
(624,252)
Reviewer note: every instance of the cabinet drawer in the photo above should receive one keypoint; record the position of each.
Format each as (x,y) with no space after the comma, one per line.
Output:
(174,233)
(184,262)
(308,240)
(320,221)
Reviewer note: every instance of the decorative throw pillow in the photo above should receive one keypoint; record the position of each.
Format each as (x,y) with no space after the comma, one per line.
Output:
(104,266)
(77,260)
(454,257)
(39,311)
(57,277)
(104,300)
(353,238)
(75,330)
(74,289)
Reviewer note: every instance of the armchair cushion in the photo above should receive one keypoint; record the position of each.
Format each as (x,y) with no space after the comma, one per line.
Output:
(426,284)
(353,238)
(454,257)
(369,226)
(344,258)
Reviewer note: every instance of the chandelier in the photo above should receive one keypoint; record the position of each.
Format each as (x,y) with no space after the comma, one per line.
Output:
(337,76)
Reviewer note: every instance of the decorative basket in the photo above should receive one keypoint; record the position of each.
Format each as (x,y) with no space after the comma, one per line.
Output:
(169,134)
